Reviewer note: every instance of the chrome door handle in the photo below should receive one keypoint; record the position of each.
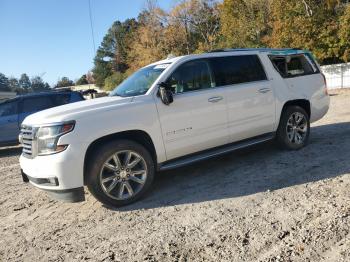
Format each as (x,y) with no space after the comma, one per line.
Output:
(215,99)
(264,90)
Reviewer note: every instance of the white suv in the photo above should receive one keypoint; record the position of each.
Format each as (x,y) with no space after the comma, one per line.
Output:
(169,114)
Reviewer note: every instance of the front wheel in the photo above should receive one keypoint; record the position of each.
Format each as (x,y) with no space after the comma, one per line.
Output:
(294,128)
(120,173)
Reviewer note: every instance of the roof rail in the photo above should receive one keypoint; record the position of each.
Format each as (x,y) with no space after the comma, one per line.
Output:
(253,49)
(61,89)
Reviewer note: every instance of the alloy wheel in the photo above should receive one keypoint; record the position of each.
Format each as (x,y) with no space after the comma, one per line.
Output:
(297,128)
(123,175)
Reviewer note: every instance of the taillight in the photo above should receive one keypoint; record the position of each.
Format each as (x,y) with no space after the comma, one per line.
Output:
(325,84)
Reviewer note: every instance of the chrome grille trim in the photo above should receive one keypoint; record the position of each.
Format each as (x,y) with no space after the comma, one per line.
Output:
(28,141)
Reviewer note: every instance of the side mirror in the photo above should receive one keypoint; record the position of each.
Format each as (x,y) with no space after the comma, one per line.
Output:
(165,93)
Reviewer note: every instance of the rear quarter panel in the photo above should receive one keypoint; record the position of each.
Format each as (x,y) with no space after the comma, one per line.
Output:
(308,87)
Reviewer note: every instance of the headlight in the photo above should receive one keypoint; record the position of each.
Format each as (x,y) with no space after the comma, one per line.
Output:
(47,137)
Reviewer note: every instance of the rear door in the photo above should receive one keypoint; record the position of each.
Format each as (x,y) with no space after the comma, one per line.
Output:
(303,75)
(250,98)
(9,128)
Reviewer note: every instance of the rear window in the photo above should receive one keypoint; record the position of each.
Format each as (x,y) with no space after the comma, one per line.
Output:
(34,104)
(230,70)
(61,99)
(293,66)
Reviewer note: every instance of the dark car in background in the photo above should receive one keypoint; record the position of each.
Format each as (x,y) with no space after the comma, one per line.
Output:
(13,111)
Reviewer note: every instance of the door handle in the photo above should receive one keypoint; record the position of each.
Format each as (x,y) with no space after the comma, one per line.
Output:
(215,99)
(264,90)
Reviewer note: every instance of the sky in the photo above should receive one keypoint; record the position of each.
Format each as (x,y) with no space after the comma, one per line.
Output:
(52,38)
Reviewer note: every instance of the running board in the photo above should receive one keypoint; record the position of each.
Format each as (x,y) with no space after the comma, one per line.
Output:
(196,157)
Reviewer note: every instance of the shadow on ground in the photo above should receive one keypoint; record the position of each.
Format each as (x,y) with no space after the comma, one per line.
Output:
(247,172)
(252,171)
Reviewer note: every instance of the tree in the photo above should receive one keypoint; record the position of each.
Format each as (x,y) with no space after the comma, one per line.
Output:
(200,21)
(90,78)
(13,84)
(114,80)
(82,81)
(344,35)
(64,82)
(244,23)
(38,84)
(149,42)
(111,56)
(24,82)
(4,83)
(309,24)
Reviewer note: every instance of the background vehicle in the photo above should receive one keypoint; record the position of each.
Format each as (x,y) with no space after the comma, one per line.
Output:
(170,114)
(13,111)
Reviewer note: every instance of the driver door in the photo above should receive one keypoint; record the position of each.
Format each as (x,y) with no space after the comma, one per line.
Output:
(197,118)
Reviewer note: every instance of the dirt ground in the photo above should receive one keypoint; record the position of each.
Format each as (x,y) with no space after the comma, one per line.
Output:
(262,204)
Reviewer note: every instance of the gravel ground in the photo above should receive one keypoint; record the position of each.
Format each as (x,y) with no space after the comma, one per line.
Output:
(261,204)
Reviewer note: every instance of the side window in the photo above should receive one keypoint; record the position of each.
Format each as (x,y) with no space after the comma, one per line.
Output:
(280,65)
(61,99)
(9,108)
(311,59)
(298,65)
(232,70)
(193,75)
(34,104)
(75,97)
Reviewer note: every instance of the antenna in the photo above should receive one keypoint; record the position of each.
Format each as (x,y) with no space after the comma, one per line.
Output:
(92,29)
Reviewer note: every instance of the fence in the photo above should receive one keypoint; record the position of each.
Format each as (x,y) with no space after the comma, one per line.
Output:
(338,76)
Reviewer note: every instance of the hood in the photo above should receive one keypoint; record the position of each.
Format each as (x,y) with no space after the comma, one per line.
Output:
(75,110)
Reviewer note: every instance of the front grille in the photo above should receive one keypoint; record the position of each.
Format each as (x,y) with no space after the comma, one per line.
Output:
(27,136)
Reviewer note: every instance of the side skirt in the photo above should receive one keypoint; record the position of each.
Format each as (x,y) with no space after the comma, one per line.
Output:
(216,151)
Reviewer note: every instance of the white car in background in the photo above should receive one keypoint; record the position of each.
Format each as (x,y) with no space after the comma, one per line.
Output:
(170,114)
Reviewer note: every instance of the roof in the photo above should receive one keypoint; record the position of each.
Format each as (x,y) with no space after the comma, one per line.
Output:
(273,51)
(53,92)
(255,50)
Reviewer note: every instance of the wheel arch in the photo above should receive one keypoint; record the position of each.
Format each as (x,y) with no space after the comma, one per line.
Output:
(138,136)
(303,103)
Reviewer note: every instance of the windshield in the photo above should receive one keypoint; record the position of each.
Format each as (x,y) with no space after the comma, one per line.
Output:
(139,82)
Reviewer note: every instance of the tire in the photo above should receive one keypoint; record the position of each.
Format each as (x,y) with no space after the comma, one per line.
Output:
(106,178)
(293,132)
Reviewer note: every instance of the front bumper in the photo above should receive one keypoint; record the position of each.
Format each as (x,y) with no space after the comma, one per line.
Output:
(72,195)
(61,174)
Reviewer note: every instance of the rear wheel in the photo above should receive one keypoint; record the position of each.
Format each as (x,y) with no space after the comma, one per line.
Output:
(294,128)
(120,173)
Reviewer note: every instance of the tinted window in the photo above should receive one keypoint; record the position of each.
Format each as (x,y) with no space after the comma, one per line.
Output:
(193,75)
(312,60)
(74,97)
(298,65)
(280,65)
(9,108)
(61,99)
(37,103)
(231,70)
